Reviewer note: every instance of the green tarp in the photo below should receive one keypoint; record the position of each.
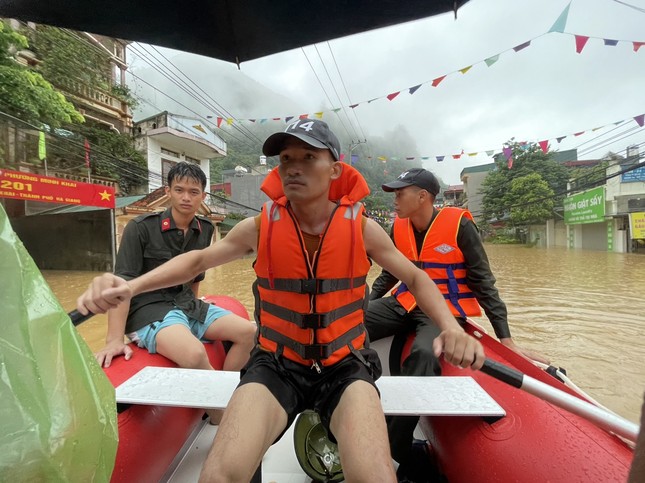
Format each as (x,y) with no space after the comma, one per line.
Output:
(57,407)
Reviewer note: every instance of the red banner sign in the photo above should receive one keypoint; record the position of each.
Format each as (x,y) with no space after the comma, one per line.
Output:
(33,187)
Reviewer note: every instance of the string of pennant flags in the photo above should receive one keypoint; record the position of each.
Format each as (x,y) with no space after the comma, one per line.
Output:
(580,40)
(505,150)
(544,145)
(558,27)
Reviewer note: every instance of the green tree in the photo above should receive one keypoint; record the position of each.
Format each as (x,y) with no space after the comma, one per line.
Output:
(113,156)
(26,94)
(10,43)
(527,159)
(531,200)
(67,60)
(585,178)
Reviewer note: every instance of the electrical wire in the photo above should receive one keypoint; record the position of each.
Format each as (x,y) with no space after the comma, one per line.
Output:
(168,75)
(181,84)
(324,91)
(349,99)
(222,108)
(143,174)
(340,101)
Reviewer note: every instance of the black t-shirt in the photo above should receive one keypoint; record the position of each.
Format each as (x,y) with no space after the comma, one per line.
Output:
(149,241)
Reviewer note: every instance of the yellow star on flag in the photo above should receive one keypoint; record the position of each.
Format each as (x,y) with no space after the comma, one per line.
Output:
(105,195)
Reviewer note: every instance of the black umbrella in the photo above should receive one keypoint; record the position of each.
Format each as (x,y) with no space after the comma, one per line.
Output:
(231,30)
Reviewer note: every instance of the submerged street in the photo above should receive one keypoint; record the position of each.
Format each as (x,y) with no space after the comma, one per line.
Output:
(583,309)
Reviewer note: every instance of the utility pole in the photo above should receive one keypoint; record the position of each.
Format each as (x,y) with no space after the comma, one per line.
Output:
(352,145)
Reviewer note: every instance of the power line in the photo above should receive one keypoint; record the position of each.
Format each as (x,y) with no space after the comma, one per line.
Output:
(151,177)
(324,91)
(340,101)
(612,140)
(346,92)
(160,67)
(185,88)
(576,189)
(223,109)
(638,9)
(140,173)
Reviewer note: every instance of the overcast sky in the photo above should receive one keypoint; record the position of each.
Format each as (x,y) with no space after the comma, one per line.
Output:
(541,92)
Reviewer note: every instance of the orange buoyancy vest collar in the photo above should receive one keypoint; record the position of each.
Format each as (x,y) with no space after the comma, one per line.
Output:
(312,312)
(440,258)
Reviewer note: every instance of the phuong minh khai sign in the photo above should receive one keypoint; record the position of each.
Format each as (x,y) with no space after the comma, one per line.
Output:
(34,187)
(587,207)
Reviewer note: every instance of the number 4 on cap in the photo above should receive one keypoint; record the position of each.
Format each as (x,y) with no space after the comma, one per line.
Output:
(307,126)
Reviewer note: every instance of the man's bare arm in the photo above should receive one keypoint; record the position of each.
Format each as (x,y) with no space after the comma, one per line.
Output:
(108,291)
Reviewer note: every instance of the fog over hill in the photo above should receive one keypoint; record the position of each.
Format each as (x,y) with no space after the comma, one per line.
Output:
(231,93)
(179,79)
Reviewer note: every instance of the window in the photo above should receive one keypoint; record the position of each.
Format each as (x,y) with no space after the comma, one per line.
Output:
(166,164)
(169,152)
(192,160)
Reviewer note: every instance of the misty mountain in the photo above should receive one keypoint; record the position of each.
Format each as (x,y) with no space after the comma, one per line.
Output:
(197,86)
(221,90)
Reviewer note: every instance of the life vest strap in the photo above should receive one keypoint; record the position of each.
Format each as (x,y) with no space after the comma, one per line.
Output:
(312,286)
(468,295)
(316,352)
(312,321)
(440,281)
(454,266)
(402,288)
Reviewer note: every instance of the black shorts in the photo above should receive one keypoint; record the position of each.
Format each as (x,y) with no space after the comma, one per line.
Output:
(298,387)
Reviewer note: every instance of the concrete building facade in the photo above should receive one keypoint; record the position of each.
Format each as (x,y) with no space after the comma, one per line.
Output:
(472,179)
(166,139)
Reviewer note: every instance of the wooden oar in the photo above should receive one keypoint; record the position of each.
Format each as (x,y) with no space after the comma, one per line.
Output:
(598,416)
(78,318)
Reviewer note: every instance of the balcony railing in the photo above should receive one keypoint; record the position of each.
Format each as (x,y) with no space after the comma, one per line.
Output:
(93,94)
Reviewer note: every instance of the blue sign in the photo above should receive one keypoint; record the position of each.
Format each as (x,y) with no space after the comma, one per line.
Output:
(634,175)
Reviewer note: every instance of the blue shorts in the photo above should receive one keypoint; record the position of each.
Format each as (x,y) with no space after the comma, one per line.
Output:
(146,337)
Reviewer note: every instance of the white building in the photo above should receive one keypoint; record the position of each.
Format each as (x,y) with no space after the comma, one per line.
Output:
(166,139)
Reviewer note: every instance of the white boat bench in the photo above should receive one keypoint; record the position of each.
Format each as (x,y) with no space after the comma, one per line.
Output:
(400,395)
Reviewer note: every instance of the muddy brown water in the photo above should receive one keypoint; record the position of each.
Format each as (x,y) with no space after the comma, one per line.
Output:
(583,309)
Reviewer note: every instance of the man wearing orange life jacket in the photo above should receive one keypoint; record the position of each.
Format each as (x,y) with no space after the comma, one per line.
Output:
(446,245)
(312,245)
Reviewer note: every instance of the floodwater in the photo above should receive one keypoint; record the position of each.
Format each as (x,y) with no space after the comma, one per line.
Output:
(584,310)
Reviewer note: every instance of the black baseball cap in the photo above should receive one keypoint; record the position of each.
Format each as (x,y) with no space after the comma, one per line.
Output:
(314,132)
(418,177)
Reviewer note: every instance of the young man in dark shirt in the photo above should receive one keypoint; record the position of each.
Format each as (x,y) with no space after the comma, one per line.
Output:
(173,321)
(446,244)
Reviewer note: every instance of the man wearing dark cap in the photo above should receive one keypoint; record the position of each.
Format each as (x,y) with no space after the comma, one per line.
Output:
(313,248)
(446,245)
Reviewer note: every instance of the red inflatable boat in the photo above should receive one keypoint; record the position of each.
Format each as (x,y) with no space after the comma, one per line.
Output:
(150,437)
(535,442)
